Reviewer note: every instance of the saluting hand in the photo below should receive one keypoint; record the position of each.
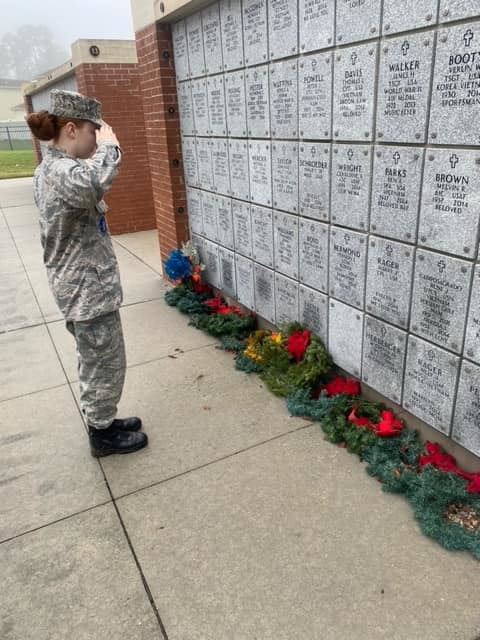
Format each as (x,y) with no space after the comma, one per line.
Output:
(106,134)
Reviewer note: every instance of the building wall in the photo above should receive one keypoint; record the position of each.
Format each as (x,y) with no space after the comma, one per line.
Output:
(117,87)
(330,154)
(157,81)
(10,97)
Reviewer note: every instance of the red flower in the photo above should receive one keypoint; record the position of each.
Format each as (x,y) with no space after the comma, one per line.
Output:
(389,426)
(359,422)
(339,386)
(298,343)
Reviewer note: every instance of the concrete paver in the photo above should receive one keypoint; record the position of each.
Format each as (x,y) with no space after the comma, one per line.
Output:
(196,408)
(152,330)
(46,471)
(74,579)
(29,362)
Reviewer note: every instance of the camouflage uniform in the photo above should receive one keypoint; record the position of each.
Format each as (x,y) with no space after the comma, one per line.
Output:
(81,265)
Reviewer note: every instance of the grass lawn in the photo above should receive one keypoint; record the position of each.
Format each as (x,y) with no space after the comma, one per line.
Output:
(17,164)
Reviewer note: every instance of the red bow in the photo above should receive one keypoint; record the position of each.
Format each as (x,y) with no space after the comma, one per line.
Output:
(341,386)
(447,463)
(388,427)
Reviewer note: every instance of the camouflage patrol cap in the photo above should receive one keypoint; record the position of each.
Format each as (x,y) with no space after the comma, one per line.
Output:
(69,104)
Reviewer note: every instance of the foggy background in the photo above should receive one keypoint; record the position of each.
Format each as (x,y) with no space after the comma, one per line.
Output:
(35,37)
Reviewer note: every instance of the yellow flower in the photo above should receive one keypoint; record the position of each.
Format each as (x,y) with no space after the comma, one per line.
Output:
(276,338)
(252,354)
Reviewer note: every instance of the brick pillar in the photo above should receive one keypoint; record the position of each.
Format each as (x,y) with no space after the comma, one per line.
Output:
(27,100)
(130,199)
(160,106)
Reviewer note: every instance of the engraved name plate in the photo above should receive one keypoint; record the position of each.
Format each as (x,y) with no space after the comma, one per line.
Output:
(316,18)
(262,232)
(180,50)
(264,287)
(404,88)
(430,380)
(314,254)
(255,31)
(285,238)
(245,281)
(286,300)
(284,99)
(397,173)
(260,170)
(282,28)
(235,104)
(389,280)
(315,96)
(450,202)
(440,298)
(258,102)
(348,256)
(351,166)
(314,180)
(224,221)
(455,107)
(354,91)
(384,349)
(242,228)
(285,176)
(212,41)
(313,312)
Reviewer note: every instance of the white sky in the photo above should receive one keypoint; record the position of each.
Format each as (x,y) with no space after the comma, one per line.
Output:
(70,20)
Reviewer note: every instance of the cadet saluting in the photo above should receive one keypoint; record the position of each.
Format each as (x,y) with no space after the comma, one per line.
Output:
(78,168)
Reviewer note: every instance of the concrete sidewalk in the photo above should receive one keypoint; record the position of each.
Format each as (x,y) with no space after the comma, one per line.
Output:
(236,523)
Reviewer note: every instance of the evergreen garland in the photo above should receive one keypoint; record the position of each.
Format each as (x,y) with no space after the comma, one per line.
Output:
(394,461)
(230,325)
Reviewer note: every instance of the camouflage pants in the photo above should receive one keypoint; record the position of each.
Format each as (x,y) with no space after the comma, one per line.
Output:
(101,366)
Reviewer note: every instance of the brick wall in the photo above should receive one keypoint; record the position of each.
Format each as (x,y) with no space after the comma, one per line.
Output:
(117,87)
(35,143)
(158,87)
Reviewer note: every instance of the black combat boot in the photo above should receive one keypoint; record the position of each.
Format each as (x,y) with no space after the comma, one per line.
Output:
(127,424)
(104,442)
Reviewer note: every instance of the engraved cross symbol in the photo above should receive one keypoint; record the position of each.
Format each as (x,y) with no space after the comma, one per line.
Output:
(453,160)
(389,249)
(314,63)
(431,354)
(442,265)
(405,48)
(350,154)
(312,151)
(346,237)
(396,157)
(468,37)
(354,57)
(383,331)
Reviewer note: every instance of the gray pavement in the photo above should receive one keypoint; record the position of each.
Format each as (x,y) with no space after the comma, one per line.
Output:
(236,523)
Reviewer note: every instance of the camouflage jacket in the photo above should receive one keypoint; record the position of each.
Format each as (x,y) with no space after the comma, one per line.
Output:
(77,249)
